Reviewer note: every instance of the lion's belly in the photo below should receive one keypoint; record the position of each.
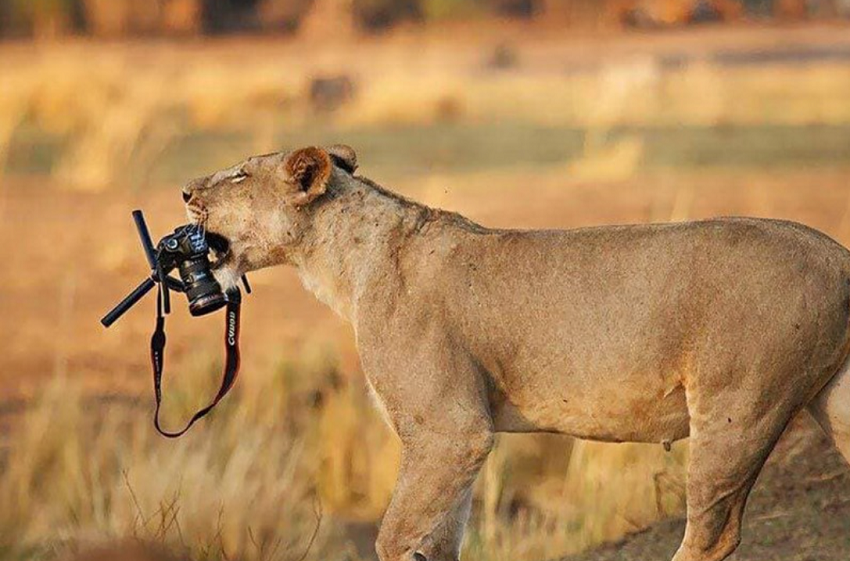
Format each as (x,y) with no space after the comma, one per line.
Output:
(597,378)
(632,407)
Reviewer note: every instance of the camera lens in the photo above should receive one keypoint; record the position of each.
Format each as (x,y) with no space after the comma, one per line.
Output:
(202,289)
(205,304)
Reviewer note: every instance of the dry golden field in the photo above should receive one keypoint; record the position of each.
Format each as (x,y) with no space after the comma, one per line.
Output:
(509,126)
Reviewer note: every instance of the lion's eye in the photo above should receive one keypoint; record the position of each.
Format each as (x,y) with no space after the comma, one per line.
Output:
(239,177)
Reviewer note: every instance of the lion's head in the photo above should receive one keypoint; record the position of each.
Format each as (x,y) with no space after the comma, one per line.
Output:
(256,212)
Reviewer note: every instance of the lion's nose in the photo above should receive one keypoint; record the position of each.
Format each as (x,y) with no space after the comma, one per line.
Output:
(192,186)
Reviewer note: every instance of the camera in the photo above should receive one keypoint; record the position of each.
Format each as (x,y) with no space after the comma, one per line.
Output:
(187,250)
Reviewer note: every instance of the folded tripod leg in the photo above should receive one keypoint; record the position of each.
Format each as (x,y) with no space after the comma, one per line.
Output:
(128,302)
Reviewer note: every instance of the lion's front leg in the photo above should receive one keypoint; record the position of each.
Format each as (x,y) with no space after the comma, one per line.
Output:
(425,519)
(435,397)
(445,541)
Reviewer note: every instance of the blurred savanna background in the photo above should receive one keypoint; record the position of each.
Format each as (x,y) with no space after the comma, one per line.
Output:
(516,113)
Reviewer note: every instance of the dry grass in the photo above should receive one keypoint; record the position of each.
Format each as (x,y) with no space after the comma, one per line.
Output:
(117,109)
(253,481)
(241,488)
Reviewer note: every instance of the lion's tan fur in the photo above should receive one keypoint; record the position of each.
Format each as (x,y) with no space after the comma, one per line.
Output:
(721,329)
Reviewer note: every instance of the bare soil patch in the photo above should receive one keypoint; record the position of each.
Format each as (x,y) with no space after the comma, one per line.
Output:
(799,510)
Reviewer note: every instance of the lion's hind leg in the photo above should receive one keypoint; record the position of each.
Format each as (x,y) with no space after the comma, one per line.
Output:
(730,442)
(831,409)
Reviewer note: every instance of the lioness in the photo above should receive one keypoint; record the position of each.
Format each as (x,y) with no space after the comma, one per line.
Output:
(719,330)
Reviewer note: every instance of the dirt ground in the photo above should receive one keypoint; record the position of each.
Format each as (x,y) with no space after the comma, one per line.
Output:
(799,510)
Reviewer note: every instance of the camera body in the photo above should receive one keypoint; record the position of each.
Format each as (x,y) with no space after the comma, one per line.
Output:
(187,250)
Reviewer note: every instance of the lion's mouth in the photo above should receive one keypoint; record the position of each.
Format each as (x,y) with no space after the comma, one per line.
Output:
(197,213)
(220,249)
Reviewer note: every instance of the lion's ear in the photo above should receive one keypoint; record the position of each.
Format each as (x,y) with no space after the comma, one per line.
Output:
(308,170)
(343,156)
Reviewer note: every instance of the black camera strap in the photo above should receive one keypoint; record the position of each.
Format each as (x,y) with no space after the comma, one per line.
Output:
(231,364)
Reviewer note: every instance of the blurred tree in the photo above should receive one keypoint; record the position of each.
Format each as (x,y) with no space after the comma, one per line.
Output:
(796,9)
(758,8)
(435,10)
(181,17)
(222,16)
(374,15)
(580,13)
(706,11)
(109,18)
(668,13)
(118,18)
(282,15)
(341,19)
(329,20)
(790,9)
(43,18)
(514,8)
